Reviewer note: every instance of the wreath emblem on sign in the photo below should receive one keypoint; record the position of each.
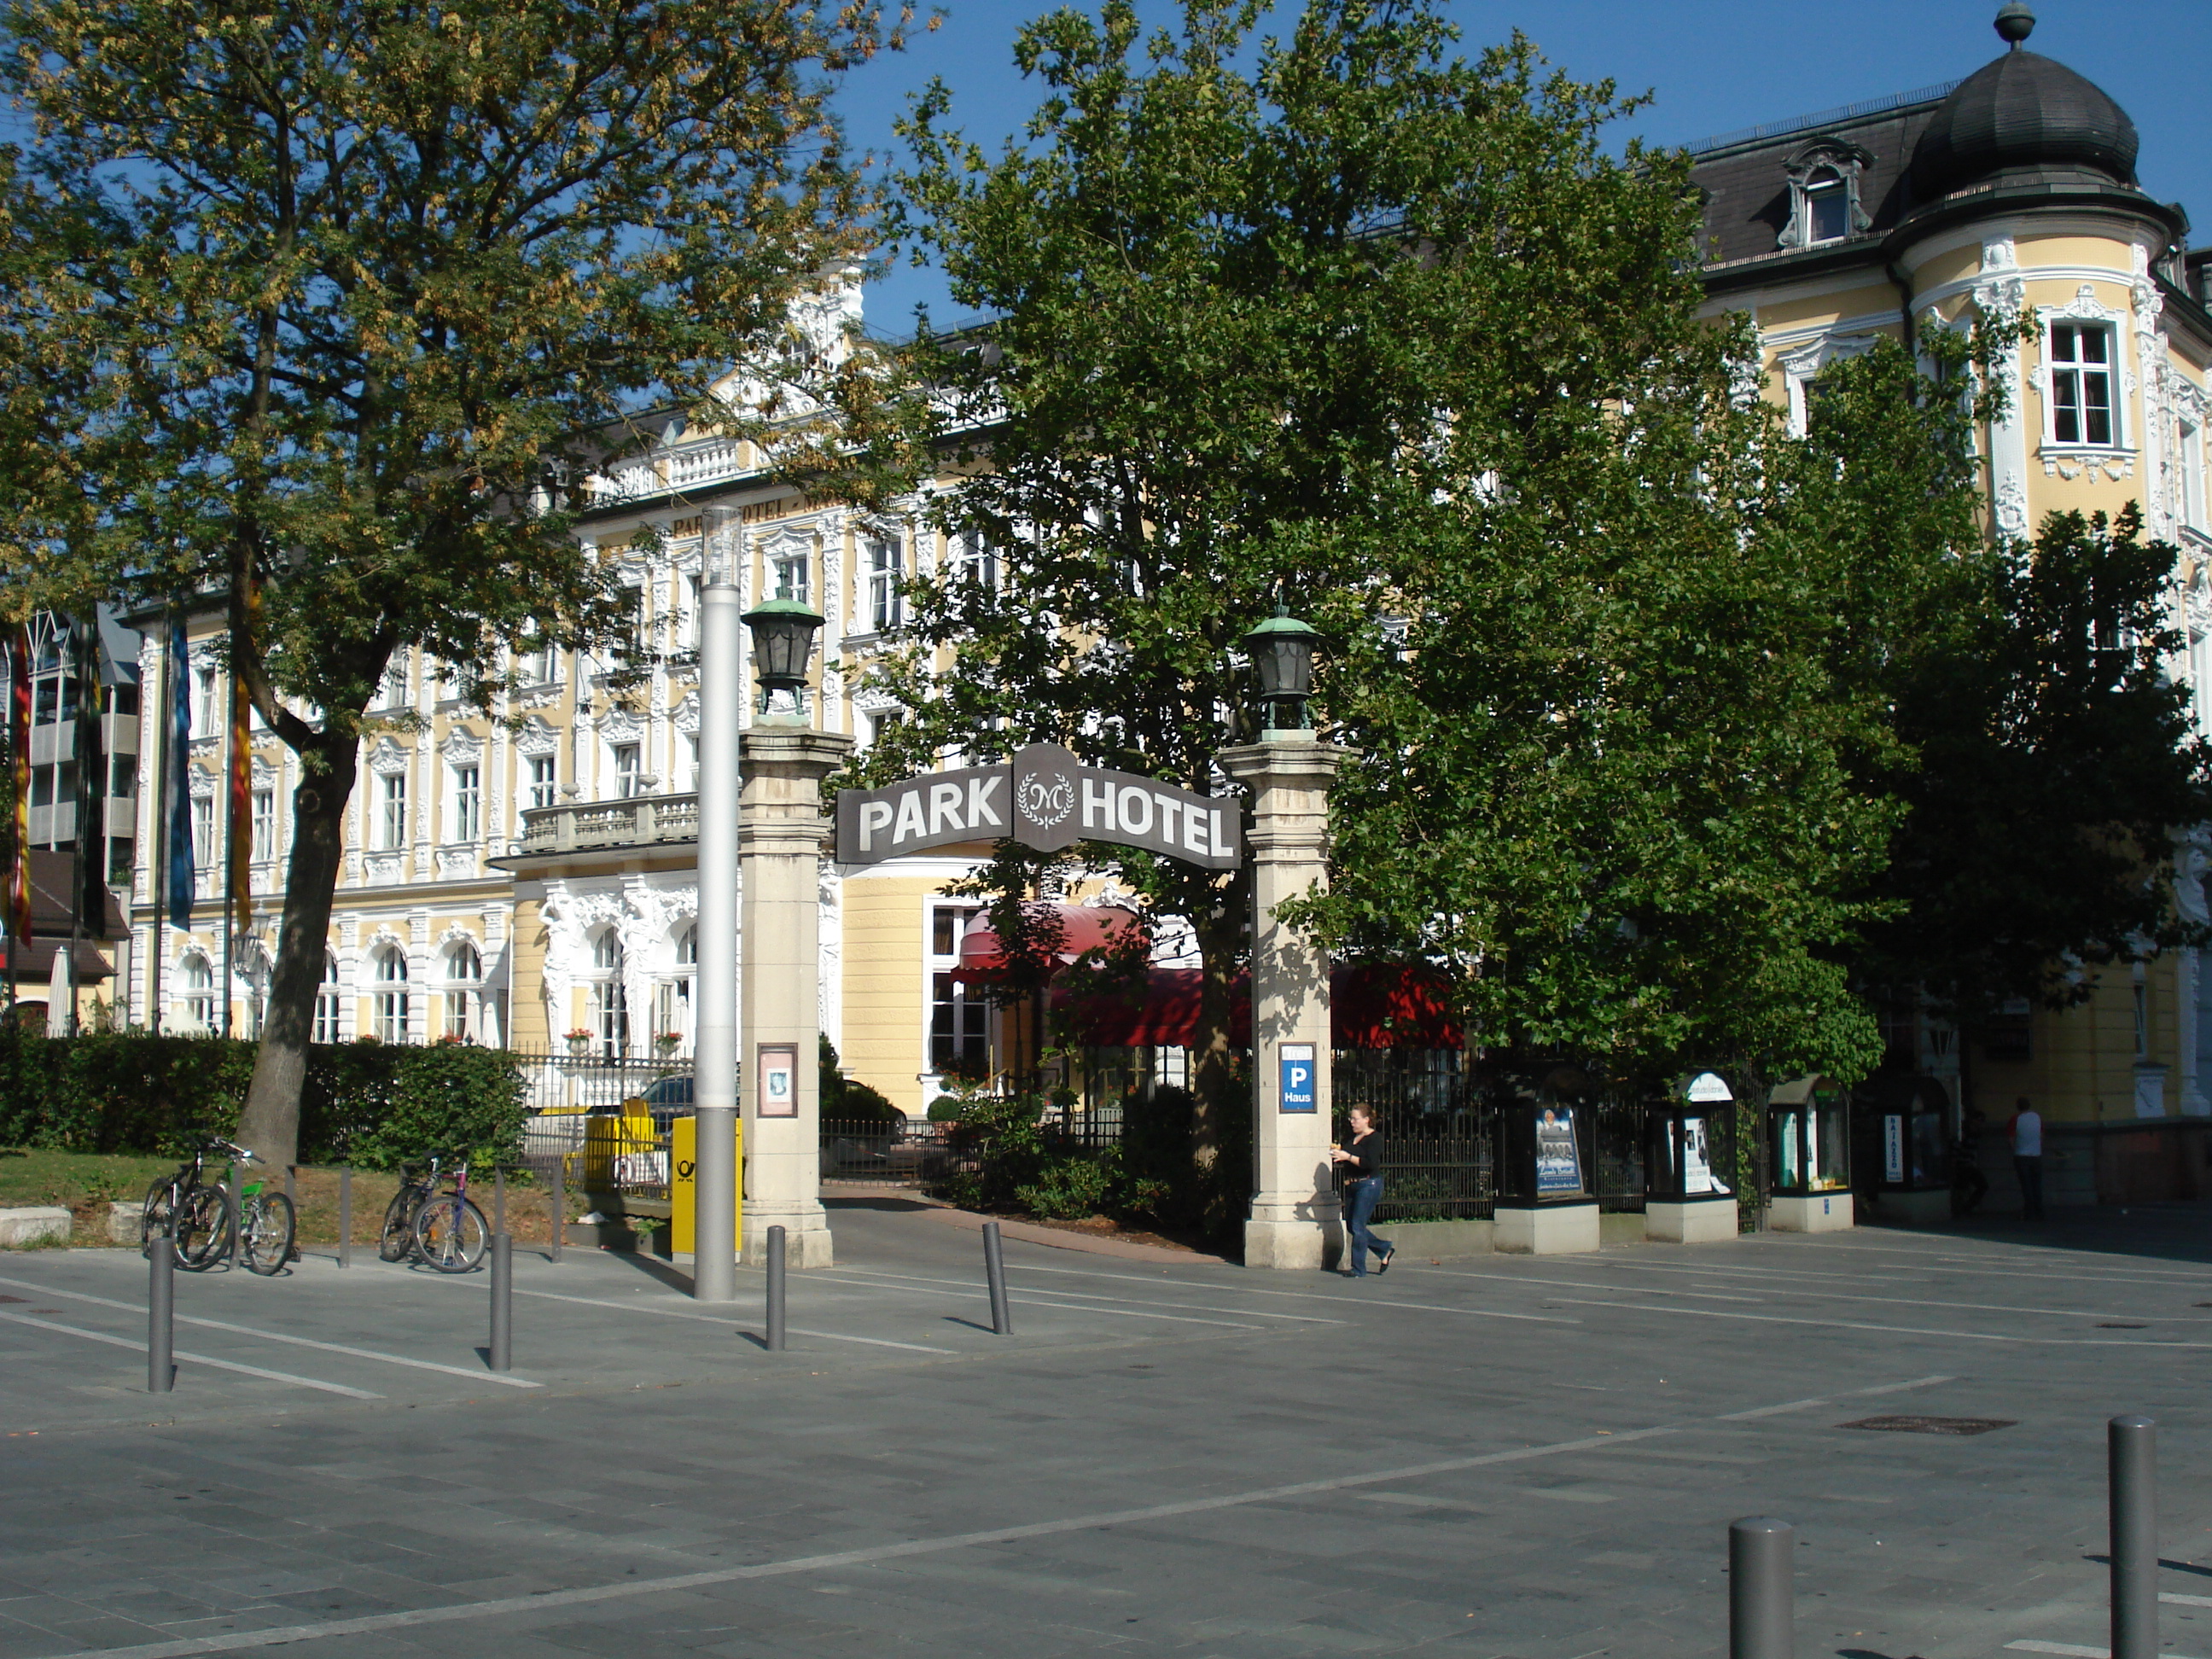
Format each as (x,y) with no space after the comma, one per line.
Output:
(1045,797)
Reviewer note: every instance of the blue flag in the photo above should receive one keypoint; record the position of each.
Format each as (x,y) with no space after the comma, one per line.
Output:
(177,787)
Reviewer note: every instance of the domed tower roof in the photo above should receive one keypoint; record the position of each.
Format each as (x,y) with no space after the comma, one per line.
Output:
(2027,116)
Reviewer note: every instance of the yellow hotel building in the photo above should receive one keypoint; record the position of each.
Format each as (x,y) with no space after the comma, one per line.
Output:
(523,885)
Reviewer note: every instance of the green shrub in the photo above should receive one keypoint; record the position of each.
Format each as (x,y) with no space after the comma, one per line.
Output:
(945,1109)
(1072,1186)
(365,1104)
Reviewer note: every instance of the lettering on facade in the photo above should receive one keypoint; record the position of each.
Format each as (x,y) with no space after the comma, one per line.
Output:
(1043,797)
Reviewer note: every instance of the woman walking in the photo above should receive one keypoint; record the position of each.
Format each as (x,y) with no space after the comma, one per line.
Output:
(1362,1190)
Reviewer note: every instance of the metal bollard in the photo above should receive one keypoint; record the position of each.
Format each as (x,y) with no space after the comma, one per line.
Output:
(503,1303)
(499,1200)
(1762,1622)
(2131,1458)
(161,1314)
(994,1270)
(775,1289)
(346,1217)
(560,1204)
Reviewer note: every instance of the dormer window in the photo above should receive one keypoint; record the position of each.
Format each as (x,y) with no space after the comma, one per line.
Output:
(1824,195)
(1828,207)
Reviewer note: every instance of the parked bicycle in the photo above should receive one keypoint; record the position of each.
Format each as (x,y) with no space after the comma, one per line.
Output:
(203,1227)
(443,1230)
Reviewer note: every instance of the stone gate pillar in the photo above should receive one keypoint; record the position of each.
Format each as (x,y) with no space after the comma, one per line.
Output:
(1294,1222)
(780,832)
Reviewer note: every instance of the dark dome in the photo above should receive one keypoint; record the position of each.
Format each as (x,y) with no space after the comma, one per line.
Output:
(2025,114)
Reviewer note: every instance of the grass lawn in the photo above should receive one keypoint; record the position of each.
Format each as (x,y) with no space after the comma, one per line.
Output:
(87,1183)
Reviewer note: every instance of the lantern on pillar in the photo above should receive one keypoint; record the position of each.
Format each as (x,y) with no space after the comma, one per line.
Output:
(1282,650)
(783,645)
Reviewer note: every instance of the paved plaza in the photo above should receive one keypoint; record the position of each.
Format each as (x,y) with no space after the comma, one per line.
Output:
(1493,1457)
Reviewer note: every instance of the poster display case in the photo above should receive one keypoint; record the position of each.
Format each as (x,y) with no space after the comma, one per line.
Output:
(1808,1140)
(1904,1128)
(1544,1205)
(1687,1199)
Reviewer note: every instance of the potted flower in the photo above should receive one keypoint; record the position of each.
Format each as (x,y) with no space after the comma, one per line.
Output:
(578,1040)
(668,1043)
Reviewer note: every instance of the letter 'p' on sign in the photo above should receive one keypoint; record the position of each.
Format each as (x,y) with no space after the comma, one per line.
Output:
(1297,1067)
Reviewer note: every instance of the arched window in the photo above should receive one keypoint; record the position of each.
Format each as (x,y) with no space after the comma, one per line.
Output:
(609,998)
(464,974)
(391,996)
(674,1028)
(326,1000)
(1827,187)
(199,993)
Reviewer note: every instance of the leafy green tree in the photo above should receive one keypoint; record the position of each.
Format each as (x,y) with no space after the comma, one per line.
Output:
(1339,329)
(1384,333)
(353,295)
(2043,755)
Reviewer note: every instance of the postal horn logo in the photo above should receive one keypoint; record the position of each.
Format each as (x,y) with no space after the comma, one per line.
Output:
(1045,798)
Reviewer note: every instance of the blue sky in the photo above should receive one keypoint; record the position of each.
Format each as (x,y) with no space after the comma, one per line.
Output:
(1714,65)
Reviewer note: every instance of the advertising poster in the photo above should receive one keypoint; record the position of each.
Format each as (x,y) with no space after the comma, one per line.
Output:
(1298,1062)
(779,1080)
(1893,1149)
(1558,1164)
(1698,1177)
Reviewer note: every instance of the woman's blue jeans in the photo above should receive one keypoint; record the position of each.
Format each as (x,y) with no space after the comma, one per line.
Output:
(1360,1198)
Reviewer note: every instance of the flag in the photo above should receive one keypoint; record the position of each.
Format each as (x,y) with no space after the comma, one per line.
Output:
(176,783)
(240,894)
(19,766)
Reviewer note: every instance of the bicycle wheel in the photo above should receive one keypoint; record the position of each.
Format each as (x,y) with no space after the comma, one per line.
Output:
(450,1232)
(397,1242)
(153,1219)
(203,1236)
(264,1232)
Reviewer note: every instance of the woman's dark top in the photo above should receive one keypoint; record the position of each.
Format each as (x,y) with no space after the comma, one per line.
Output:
(1366,1157)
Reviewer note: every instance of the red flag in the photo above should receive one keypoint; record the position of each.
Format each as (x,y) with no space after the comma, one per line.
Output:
(19,757)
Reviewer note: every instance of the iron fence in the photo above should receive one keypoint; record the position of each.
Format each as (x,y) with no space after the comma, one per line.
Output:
(899,1153)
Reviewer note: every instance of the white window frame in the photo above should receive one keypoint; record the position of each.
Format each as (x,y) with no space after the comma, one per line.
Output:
(936,966)
(262,804)
(391,1005)
(195,978)
(2079,373)
(392,810)
(2189,459)
(886,559)
(460,1011)
(977,560)
(791,575)
(468,802)
(203,836)
(629,769)
(544,779)
(329,1004)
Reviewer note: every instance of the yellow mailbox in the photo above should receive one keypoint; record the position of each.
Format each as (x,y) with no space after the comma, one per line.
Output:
(683,1186)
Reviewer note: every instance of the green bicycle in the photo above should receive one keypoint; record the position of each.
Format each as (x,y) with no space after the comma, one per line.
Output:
(196,1214)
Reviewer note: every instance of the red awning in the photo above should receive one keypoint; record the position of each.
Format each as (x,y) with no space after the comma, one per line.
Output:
(1373,1006)
(1082,928)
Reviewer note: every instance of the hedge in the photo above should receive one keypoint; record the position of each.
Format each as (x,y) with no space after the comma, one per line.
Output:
(369,1104)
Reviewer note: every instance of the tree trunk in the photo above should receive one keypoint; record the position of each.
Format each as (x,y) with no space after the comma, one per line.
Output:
(270,1126)
(1221,939)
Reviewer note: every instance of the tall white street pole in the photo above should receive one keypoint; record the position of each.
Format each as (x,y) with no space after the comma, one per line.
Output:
(721,692)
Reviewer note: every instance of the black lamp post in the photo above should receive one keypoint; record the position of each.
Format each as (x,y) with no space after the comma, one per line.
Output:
(1282,650)
(783,645)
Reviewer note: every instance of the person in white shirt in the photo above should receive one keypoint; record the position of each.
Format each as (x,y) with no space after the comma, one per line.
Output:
(2028,1157)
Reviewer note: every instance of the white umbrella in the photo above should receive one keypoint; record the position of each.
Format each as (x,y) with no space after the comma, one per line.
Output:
(61,992)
